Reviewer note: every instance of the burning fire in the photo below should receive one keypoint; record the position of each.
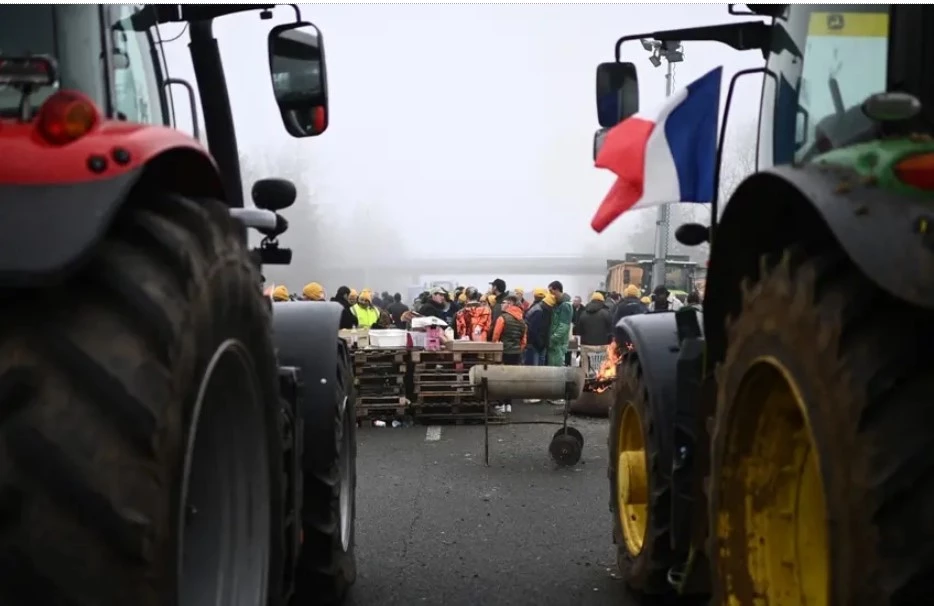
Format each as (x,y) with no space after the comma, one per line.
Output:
(607,372)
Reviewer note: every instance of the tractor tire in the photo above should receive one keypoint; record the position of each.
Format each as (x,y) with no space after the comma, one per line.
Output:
(640,492)
(327,566)
(101,379)
(822,466)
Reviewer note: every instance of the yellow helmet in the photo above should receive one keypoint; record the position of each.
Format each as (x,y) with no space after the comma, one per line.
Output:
(280,293)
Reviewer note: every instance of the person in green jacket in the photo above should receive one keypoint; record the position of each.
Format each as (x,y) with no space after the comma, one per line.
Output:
(561,317)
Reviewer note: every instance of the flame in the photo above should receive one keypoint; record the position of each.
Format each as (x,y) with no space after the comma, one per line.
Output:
(608,367)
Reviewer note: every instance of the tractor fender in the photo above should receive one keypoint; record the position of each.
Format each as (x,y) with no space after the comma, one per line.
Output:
(655,342)
(305,336)
(881,231)
(59,202)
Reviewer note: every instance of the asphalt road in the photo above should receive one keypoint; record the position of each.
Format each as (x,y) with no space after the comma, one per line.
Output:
(435,526)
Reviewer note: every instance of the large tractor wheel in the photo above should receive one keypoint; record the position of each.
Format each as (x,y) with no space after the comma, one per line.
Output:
(822,487)
(140,461)
(327,567)
(640,493)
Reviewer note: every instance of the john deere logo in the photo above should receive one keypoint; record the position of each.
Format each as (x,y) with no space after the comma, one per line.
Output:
(835,21)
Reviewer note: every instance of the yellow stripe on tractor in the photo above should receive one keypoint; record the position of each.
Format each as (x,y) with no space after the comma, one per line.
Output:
(854,25)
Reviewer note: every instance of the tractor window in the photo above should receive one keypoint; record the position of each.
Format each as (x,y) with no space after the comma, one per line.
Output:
(838,59)
(137,73)
(70,34)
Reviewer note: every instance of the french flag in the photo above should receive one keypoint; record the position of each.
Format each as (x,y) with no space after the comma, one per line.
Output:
(670,157)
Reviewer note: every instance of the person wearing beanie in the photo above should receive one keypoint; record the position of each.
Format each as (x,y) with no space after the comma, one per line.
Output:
(280,293)
(595,326)
(348,319)
(313,292)
(367,315)
(352,297)
(630,305)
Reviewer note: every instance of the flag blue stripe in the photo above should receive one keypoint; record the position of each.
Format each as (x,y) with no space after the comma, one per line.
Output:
(691,132)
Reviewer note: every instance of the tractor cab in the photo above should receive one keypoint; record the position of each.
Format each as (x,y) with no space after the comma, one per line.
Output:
(107,61)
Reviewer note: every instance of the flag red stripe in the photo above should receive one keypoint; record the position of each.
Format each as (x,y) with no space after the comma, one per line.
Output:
(623,153)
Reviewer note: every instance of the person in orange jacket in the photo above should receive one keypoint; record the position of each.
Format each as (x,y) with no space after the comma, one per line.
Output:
(511,331)
(473,319)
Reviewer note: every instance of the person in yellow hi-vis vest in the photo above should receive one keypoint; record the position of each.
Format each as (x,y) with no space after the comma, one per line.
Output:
(367,315)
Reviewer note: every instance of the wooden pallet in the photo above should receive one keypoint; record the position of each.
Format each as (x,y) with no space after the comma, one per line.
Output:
(382,413)
(379,369)
(441,375)
(374,356)
(441,389)
(474,357)
(386,401)
(465,398)
(387,379)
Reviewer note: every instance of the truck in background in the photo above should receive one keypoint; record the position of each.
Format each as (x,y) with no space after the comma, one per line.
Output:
(636,268)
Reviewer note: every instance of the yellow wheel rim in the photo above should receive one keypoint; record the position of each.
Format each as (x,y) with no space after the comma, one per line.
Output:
(631,481)
(771,520)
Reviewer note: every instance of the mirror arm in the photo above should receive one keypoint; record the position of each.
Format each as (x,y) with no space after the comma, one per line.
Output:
(747,35)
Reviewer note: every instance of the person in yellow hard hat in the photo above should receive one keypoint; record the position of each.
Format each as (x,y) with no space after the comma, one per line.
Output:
(313,292)
(280,293)
(538,319)
(367,315)
(630,305)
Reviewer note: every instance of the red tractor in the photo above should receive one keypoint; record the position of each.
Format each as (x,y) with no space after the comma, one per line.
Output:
(157,445)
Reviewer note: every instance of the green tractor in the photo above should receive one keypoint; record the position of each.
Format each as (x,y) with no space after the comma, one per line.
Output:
(167,435)
(778,449)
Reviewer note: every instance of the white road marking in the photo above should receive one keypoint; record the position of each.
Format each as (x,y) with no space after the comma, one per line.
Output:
(433,433)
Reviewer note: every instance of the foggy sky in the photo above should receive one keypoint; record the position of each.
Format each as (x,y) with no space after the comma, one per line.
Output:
(467,123)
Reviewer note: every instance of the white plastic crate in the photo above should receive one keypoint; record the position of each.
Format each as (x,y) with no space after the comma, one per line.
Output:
(388,338)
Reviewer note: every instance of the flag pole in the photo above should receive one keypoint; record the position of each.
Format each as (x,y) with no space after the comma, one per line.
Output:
(672,53)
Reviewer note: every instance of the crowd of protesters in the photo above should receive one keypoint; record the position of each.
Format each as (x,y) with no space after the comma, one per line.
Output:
(535,330)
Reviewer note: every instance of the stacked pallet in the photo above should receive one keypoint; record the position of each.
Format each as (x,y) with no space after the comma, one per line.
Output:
(379,384)
(441,385)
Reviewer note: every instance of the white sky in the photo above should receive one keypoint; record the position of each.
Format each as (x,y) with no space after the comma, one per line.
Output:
(439,108)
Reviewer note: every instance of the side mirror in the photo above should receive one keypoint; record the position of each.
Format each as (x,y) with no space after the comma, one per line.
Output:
(598,138)
(692,234)
(617,93)
(274,194)
(299,78)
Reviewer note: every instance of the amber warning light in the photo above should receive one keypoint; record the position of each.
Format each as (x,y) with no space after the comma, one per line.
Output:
(917,171)
(66,116)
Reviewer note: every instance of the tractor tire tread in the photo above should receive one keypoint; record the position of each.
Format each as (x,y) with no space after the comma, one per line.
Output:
(95,375)
(647,572)
(867,354)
